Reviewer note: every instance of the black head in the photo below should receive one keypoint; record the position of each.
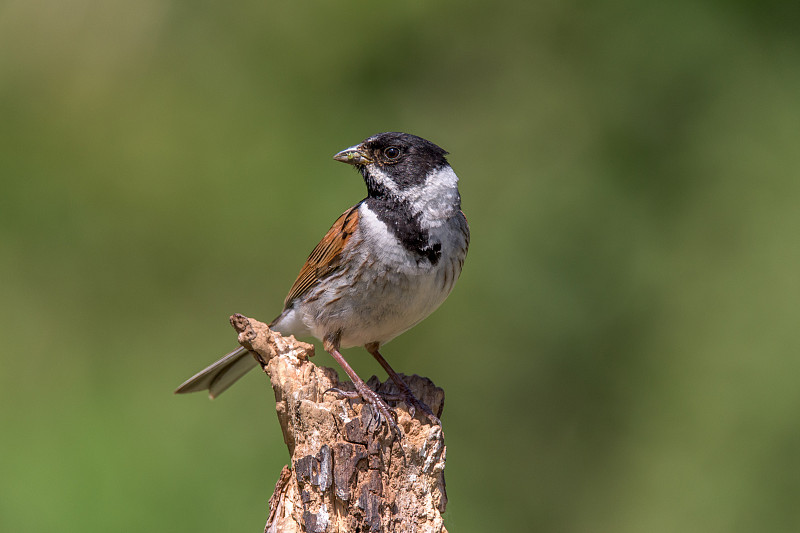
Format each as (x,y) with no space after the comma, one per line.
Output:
(392,161)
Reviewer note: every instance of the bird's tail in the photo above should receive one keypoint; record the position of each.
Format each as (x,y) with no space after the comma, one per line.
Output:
(217,377)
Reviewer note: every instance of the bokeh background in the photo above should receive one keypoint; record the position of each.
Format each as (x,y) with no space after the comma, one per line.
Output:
(620,355)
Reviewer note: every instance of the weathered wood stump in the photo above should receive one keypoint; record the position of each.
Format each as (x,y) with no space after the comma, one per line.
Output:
(348,473)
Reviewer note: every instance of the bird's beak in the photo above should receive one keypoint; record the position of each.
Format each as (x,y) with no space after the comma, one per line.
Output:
(355,155)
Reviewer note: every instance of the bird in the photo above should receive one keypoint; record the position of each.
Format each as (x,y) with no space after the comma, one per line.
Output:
(384,266)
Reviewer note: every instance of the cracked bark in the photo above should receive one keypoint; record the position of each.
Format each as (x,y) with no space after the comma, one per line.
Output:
(345,477)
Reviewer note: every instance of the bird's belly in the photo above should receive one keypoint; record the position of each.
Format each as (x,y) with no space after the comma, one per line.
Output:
(395,306)
(378,306)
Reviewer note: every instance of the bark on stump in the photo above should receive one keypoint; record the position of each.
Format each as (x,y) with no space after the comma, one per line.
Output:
(345,476)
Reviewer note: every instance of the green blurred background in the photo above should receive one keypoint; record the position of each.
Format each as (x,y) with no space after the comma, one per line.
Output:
(620,355)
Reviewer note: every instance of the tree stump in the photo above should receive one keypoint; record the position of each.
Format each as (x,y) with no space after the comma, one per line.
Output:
(348,473)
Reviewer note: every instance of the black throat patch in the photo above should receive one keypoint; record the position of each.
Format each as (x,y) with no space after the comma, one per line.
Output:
(398,217)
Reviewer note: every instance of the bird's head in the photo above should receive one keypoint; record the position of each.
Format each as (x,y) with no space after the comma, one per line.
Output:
(393,163)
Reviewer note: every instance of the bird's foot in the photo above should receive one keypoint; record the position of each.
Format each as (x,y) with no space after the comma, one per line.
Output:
(414,403)
(405,396)
(381,411)
(405,393)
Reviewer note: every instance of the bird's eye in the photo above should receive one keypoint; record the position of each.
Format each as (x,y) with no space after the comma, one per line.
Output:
(392,152)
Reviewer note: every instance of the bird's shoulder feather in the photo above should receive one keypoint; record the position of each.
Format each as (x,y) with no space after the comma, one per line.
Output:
(326,256)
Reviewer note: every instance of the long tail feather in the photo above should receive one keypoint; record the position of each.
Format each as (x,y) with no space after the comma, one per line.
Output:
(217,377)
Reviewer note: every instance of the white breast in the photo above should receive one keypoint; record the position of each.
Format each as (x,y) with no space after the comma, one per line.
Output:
(398,291)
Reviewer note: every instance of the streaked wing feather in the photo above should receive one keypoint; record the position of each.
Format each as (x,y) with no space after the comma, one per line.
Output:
(325,258)
(465,227)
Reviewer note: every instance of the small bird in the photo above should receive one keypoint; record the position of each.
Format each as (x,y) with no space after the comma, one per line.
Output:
(385,265)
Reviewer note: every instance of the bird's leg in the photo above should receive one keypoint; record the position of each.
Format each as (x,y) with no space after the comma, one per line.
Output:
(381,409)
(405,392)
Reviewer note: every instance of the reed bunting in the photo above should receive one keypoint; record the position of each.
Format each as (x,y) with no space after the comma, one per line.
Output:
(386,264)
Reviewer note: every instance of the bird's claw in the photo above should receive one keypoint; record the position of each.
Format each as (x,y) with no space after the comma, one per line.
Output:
(406,396)
(379,408)
(413,404)
(352,395)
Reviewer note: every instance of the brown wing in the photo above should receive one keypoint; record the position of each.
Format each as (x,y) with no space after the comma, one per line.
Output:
(326,256)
